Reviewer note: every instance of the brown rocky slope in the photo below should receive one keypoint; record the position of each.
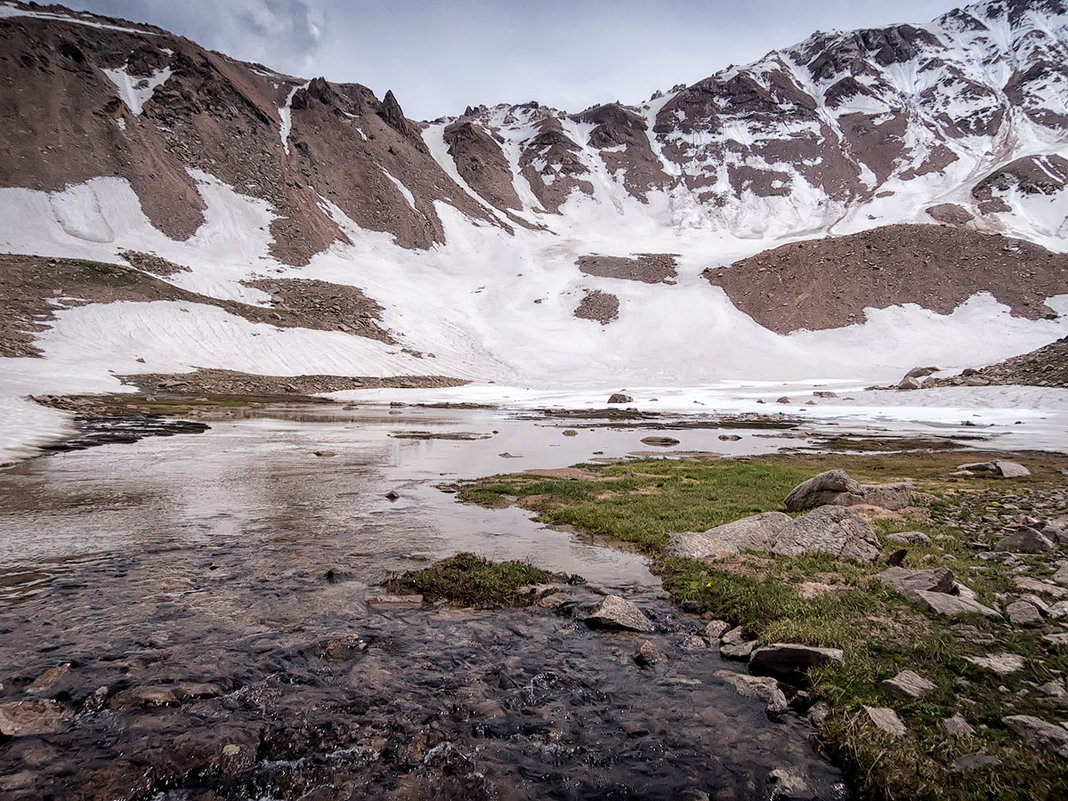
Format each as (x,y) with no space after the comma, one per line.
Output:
(65,123)
(1045,367)
(827,283)
(28,282)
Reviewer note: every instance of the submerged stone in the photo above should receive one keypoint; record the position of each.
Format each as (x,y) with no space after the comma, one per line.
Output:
(614,612)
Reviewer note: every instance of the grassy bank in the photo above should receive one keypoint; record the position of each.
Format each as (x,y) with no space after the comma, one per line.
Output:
(821,601)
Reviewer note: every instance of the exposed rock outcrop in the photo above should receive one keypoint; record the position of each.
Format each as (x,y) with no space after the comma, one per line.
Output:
(597,305)
(829,529)
(649,268)
(836,487)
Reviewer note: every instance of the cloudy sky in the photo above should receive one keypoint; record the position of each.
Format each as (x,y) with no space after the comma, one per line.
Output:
(439,56)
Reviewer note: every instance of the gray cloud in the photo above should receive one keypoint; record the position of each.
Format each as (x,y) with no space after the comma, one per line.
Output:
(285,34)
(439,57)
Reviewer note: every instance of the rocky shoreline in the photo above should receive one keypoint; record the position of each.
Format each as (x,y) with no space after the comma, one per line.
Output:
(930,626)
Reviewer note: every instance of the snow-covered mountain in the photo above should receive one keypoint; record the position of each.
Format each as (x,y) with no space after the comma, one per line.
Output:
(506,244)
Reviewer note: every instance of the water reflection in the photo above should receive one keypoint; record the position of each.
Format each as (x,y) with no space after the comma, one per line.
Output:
(194,610)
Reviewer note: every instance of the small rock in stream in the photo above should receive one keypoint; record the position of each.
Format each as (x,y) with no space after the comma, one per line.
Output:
(647,654)
(790,661)
(763,688)
(735,646)
(788,786)
(396,601)
(27,718)
(614,612)
(715,629)
(662,442)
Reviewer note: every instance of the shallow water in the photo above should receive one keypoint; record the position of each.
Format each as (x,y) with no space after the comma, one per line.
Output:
(216,587)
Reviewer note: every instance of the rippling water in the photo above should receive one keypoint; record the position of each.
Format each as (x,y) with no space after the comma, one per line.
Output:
(201,604)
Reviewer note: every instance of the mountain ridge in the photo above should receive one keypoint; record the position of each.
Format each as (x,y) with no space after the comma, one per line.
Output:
(835,121)
(528,246)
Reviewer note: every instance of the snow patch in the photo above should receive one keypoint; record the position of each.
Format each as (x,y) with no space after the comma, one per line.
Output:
(400,187)
(133,91)
(285,116)
(8,10)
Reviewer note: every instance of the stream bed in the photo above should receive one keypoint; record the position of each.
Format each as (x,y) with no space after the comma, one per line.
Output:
(195,617)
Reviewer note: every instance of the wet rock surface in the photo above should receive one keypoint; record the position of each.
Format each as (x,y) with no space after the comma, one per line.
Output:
(790,661)
(113,429)
(614,612)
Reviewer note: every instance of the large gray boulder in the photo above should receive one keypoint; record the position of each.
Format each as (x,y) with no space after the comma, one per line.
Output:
(820,490)
(755,533)
(616,613)
(1000,468)
(906,581)
(951,605)
(1026,540)
(894,496)
(835,487)
(790,661)
(836,530)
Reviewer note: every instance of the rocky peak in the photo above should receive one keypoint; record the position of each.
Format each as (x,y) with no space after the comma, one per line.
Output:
(394,115)
(616,125)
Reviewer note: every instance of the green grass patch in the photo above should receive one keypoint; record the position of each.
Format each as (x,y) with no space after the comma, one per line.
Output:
(817,600)
(643,502)
(469,580)
(882,634)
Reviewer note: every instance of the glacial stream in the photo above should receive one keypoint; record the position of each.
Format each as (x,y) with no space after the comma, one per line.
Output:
(187,617)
